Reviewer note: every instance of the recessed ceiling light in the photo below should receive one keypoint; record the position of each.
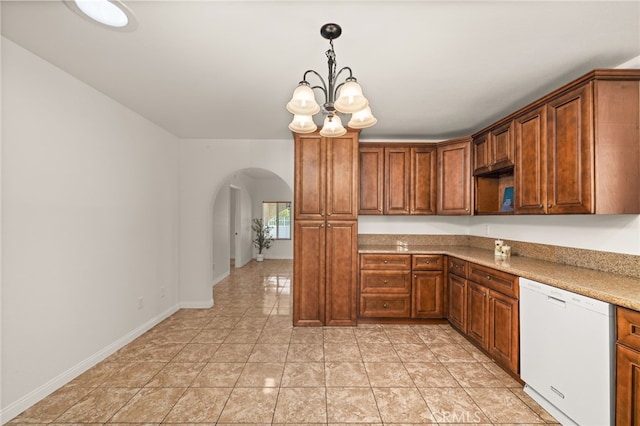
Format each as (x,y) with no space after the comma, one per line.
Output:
(112,14)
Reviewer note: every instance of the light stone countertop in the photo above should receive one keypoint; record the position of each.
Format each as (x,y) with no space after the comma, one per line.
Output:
(612,288)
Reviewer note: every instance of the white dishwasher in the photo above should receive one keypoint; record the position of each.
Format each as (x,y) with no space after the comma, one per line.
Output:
(567,353)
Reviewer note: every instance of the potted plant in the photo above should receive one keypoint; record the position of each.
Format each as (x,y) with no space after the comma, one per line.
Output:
(263,238)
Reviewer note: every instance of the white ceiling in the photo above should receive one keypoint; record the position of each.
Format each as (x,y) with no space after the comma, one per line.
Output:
(431,70)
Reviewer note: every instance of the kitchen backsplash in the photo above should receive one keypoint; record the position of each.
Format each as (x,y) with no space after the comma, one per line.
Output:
(617,263)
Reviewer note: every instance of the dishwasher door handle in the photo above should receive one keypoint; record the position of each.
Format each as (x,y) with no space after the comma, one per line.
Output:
(555,301)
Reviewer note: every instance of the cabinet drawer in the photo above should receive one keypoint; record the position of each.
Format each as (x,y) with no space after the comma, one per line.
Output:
(628,328)
(497,280)
(385,261)
(385,282)
(427,262)
(458,267)
(380,305)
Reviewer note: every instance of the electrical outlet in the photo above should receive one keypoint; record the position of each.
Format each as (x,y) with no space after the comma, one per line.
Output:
(140,304)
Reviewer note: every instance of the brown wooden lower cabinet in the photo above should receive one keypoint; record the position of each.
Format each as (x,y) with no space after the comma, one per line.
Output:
(325,273)
(488,317)
(628,368)
(627,386)
(457,296)
(504,332)
(478,314)
(428,295)
(385,285)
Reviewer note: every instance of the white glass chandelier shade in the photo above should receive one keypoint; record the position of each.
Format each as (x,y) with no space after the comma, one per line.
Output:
(350,99)
(362,119)
(332,127)
(302,124)
(303,101)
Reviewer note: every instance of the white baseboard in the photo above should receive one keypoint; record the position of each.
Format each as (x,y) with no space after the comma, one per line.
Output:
(197,304)
(12,410)
(219,278)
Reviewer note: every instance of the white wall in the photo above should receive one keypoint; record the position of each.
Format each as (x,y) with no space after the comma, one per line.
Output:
(610,233)
(205,167)
(90,224)
(273,190)
(222,235)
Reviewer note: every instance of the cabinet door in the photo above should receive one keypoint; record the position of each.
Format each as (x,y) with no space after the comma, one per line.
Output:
(342,273)
(309,273)
(481,154)
(454,178)
(342,177)
(627,386)
(427,290)
(504,341)
(309,181)
(397,163)
(371,180)
(457,301)
(478,313)
(531,162)
(502,147)
(570,152)
(423,180)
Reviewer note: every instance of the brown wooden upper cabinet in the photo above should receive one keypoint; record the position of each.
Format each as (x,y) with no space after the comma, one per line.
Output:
(326,178)
(454,177)
(493,150)
(371,179)
(578,150)
(397,179)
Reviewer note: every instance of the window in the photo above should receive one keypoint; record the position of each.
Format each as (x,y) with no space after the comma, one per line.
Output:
(277,216)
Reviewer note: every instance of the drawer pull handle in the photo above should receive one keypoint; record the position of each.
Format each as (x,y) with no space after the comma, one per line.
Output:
(384,305)
(635,330)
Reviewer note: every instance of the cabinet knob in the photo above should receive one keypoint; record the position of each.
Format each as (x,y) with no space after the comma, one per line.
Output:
(489,277)
(384,306)
(386,261)
(540,206)
(490,297)
(328,225)
(466,209)
(484,294)
(548,206)
(328,214)
(385,281)
(415,275)
(427,262)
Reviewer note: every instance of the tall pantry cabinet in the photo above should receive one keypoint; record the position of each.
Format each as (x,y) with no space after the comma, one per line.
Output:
(325,241)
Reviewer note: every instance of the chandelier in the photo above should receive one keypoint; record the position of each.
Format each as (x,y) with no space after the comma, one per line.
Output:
(345,97)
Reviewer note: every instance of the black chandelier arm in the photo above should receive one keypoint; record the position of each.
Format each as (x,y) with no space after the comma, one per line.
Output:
(324,84)
(350,78)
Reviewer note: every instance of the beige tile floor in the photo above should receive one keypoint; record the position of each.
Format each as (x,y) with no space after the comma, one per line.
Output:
(242,362)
